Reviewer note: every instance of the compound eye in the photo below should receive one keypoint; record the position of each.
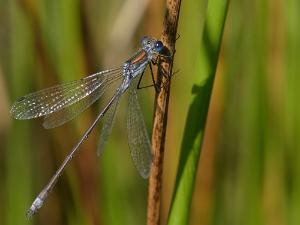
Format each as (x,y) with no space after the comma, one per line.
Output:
(158,46)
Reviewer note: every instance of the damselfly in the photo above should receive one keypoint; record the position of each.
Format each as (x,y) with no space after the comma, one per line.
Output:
(59,104)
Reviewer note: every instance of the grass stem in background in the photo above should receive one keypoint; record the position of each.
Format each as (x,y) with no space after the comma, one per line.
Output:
(197,114)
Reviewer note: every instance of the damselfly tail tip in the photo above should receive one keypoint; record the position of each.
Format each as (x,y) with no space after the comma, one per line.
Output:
(29,214)
(38,202)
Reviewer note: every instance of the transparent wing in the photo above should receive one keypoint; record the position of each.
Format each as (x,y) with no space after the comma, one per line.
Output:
(107,125)
(55,98)
(70,112)
(138,139)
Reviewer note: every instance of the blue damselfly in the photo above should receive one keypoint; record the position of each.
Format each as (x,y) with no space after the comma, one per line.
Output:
(59,104)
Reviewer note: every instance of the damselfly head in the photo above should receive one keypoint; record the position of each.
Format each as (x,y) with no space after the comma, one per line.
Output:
(151,44)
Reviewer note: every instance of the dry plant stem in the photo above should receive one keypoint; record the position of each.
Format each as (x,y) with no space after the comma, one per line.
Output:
(161,113)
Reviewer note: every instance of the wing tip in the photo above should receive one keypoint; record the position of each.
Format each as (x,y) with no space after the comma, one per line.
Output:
(16,107)
(13,112)
(145,172)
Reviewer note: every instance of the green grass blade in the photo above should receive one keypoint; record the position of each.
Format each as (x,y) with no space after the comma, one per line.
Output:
(194,128)
(18,147)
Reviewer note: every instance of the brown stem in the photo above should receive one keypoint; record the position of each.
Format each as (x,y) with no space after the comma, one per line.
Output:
(161,113)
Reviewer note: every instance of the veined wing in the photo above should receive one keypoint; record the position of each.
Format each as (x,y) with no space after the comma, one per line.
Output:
(107,125)
(53,99)
(70,112)
(138,139)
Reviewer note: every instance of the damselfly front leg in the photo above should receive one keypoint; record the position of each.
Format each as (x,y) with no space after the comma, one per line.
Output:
(154,83)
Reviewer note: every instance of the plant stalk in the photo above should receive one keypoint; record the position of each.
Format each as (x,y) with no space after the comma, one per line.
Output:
(161,111)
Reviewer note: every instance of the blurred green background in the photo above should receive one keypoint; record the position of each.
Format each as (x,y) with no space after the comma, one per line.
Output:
(249,172)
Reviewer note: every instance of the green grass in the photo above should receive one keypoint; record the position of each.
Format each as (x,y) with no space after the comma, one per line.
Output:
(198,109)
(18,164)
